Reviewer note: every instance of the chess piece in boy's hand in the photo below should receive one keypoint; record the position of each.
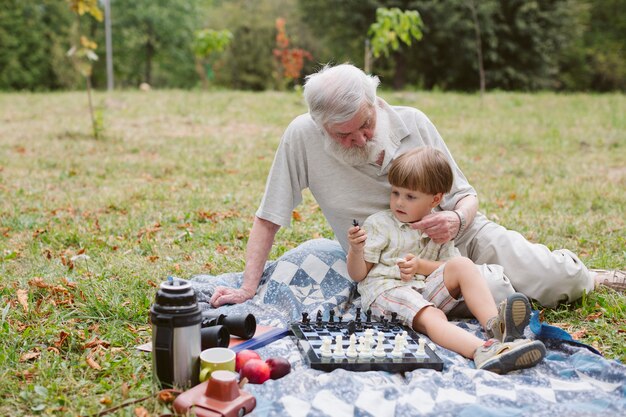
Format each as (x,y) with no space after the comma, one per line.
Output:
(408,266)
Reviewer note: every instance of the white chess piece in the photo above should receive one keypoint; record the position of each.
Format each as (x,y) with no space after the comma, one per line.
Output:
(380,349)
(405,336)
(366,347)
(369,337)
(338,346)
(325,349)
(398,347)
(361,343)
(351,352)
(420,347)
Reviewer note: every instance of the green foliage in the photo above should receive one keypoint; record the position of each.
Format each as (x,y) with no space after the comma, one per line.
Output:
(151,43)
(208,41)
(341,27)
(526,45)
(248,63)
(596,58)
(34,38)
(392,26)
(207,45)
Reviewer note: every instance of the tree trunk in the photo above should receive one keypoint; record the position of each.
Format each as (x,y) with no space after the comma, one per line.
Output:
(149,56)
(399,76)
(479,47)
(367,59)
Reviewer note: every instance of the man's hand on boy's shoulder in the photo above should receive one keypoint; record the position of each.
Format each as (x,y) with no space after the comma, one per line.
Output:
(441,227)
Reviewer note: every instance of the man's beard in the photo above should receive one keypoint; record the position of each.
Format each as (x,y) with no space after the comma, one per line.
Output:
(355,155)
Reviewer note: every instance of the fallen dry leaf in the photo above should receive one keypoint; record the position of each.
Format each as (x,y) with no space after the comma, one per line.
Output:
(97,342)
(141,412)
(93,364)
(296,215)
(579,334)
(125,390)
(594,316)
(106,400)
(29,356)
(62,336)
(166,397)
(22,297)
(26,375)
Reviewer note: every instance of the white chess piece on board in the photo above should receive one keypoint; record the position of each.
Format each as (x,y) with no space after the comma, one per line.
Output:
(338,346)
(366,347)
(352,352)
(325,349)
(421,351)
(398,347)
(380,349)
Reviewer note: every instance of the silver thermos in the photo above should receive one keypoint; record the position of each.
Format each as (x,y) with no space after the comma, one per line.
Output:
(176,319)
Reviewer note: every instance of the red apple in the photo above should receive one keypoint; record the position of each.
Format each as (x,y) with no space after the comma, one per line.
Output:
(256,371)
(243,357)
(279,367)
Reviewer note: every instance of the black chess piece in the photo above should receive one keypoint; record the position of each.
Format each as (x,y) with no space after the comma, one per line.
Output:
(394,317)
(358,314)
(340,319)
(319,317)
(351,327)
(305,318)
(331,319)
(368,316)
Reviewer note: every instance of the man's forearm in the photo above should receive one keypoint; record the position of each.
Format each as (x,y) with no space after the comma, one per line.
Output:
(257,251)
(469,206)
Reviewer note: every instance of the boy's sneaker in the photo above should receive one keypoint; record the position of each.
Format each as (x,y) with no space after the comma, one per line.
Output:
(513,317)
(499,357)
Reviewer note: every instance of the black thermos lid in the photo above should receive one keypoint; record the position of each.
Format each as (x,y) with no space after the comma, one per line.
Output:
(175,303)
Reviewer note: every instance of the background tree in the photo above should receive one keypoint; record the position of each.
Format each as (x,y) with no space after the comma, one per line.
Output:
(207,45)
(597,58)
(249,62)
(391,27)
(526,45)
(82,52)
(289,61)
(152,41)
(34,37)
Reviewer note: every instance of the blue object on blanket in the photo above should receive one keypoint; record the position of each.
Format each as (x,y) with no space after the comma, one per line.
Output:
(554,335)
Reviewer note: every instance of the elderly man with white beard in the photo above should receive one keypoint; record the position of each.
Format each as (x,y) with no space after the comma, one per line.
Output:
(341,151)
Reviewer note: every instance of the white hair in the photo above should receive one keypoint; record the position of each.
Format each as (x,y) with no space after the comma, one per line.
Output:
(336,94)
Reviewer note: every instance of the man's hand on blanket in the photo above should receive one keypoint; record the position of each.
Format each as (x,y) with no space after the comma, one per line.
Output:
(227,295)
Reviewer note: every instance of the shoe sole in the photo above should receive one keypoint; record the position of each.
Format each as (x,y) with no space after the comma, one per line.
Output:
(615,280)
(522,357)
(516,317)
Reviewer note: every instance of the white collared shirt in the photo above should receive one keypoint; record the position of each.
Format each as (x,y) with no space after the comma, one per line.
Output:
(388,239)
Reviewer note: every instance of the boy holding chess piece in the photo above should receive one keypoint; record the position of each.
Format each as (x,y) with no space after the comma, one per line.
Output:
(400,269)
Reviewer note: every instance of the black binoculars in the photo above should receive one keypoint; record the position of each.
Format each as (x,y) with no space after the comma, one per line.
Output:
(216,328)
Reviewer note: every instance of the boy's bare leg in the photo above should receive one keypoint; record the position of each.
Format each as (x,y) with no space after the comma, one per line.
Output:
(462,277)
(433,322)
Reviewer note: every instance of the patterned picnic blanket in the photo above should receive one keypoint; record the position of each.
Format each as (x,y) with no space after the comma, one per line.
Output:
(571,381)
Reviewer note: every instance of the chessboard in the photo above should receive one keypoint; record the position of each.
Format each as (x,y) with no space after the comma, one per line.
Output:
(362,344)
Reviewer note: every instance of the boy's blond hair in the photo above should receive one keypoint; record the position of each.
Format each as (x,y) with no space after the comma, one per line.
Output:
(423,169)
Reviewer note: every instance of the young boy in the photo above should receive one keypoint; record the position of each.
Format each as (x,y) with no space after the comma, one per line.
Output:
(401,270)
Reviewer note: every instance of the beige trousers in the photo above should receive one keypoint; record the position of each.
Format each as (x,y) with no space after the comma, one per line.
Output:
(550,277)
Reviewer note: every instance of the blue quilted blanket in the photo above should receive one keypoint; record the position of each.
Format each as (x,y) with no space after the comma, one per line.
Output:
(572,380)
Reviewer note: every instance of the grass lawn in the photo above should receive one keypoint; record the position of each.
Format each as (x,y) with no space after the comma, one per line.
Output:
(88,228)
